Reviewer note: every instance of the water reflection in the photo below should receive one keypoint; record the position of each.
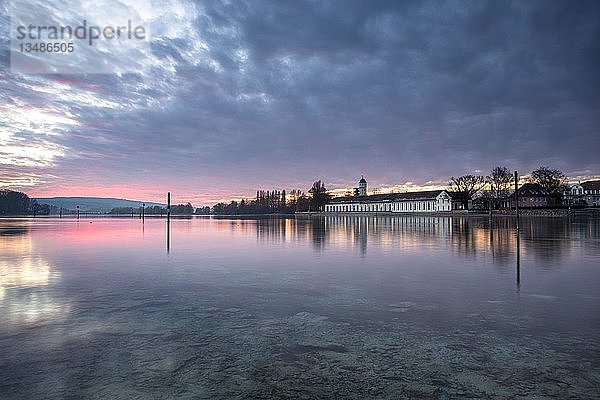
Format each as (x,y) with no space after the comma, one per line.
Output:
(28,271)
(282,230)
(518,261)
(19,267)
(546,240)
(262,308)
(168,234)
(24,275)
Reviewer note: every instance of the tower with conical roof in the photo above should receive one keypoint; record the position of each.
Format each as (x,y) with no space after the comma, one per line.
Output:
(362,186)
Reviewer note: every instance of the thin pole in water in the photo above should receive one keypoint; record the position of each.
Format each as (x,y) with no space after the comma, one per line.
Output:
(518,261)
(168,204)
(77,212)
(517,197)
(518,234)
(168,235)
(168,222)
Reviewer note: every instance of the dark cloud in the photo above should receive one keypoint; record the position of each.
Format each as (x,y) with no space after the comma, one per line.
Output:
(277,93)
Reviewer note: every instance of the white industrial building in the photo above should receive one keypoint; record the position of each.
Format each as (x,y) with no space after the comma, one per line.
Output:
(410,202)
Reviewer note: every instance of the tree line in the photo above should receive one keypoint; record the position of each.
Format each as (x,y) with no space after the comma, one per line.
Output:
(278,202)
(266,202)
(496,187)
(18,203)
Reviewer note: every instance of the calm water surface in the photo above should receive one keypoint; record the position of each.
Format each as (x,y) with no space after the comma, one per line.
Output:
(340,307)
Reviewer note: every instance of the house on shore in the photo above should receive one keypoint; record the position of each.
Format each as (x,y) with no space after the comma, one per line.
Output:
(532,195)
(586,194)
(591,189)
(411,202)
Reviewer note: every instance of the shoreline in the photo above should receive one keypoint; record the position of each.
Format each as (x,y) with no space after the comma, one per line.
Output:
(552,213)
(549,212)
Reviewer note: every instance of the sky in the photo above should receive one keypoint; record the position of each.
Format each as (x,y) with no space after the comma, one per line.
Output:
(231,97)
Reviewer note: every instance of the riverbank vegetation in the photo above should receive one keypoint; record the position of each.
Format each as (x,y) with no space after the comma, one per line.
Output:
(18,203)
(492,191)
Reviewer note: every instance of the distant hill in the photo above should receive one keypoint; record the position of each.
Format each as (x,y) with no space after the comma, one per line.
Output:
(93,204)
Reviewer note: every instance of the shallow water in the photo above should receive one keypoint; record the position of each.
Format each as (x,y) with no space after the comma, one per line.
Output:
(342,307)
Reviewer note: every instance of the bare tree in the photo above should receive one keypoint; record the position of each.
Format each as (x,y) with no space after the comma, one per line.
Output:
(552,180)
(464,187)
(499,180)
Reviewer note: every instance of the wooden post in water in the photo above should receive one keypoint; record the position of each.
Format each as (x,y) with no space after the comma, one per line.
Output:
(517,197)
(60,213)
(518,233)
(143,211)
(168,222)
(77,212)
(168,204)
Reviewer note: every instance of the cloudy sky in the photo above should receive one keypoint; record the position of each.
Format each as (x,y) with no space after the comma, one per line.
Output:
(233,96)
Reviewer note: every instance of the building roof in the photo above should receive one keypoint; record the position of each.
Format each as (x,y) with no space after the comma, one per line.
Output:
(531,190)
(375,198)
(591,185)
(362,180)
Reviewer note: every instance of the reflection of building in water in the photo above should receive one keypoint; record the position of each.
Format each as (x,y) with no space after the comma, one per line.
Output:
(411,202)
(589,234)
(387,230)
(471,237)
(546,240)
(347,230)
